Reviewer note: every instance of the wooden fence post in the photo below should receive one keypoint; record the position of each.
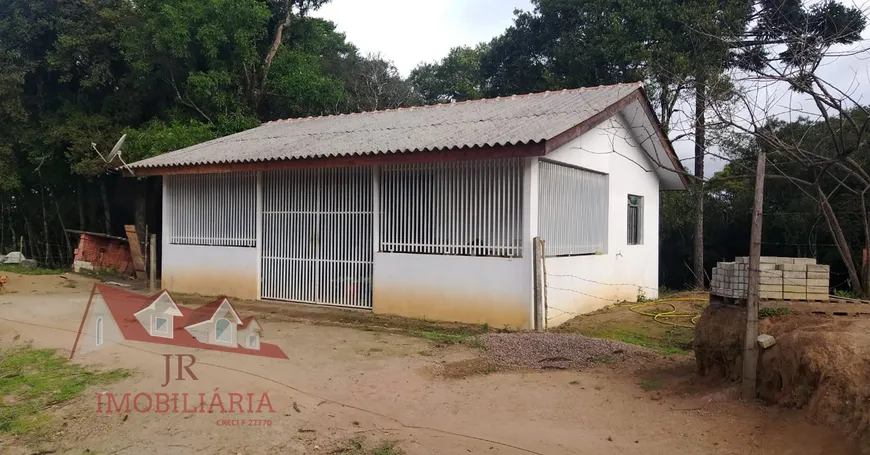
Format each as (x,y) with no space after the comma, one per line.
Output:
(540,286)
(152,262)
(750,345)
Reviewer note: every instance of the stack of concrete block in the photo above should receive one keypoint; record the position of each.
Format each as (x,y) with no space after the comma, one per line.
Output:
(730,279)
(781,279)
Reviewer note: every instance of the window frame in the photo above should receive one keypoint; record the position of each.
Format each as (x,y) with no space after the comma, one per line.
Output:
(99,330)
(558,226)
(164,331)
(637,229)
(229,329)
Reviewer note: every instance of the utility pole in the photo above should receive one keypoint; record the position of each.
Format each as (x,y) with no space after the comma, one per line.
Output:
(750,346)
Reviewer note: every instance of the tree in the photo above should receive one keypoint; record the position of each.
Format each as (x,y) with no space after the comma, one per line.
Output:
(823,154)
(675,46)
(457,77)
(374,84)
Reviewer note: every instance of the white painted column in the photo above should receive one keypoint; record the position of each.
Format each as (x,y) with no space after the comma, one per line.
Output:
(376,226)
(530,227)
(258,213)
(165,232)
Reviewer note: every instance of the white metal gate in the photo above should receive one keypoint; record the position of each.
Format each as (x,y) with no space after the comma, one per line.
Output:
(317,236)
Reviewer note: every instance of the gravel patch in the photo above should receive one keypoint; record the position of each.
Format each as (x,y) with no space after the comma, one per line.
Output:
(561,351)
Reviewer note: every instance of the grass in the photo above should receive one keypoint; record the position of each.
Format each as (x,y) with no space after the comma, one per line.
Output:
(649,385)
(676,341)
(14,268)
(32,380)
(357,446)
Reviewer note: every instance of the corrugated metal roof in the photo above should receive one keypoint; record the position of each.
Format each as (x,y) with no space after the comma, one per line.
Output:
(514,120)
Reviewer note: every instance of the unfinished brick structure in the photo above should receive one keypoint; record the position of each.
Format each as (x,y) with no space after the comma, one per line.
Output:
(781,279)
(97,252)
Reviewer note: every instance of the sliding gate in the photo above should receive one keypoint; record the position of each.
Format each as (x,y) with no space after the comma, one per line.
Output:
(317,236)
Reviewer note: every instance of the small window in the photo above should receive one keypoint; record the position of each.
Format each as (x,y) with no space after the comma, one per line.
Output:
(252,341)
(161,325)
(635,220)
(222,331)
(99,331)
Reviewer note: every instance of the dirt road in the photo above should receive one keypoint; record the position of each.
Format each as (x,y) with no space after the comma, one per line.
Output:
(343,384)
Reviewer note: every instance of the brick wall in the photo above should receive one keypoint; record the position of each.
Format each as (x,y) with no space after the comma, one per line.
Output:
(104,254)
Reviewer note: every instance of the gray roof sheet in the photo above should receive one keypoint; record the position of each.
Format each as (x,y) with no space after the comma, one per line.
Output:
(520,119)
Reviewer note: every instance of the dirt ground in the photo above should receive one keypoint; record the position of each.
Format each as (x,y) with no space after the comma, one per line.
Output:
(343,384)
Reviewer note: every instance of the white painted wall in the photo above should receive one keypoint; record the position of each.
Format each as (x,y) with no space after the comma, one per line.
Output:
(497,291)
(469,289)
(596,281)
(208,270)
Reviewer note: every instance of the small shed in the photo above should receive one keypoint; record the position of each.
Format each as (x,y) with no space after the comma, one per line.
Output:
(427,211)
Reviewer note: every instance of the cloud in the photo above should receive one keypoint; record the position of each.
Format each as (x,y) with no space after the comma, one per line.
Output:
(412,32)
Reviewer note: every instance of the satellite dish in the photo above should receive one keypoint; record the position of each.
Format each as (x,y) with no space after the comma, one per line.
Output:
(116,150)
(115,153)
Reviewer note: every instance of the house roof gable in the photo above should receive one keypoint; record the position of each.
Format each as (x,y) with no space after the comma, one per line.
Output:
(123,305)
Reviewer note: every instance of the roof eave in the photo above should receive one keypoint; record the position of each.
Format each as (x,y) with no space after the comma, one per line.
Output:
(459,154)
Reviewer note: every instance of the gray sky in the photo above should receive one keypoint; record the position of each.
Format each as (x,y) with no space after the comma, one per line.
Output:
(410,32)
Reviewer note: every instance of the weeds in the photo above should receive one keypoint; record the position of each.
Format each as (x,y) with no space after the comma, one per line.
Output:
(357,446)
(33,379)
(441,337)
(649,385)
(771,312)
(846,294)
(641,296)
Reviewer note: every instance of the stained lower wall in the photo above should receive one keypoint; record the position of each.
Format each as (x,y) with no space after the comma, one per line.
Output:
(211,270)
(469,289)
(582,284)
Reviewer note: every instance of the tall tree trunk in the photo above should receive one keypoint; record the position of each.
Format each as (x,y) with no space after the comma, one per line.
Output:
(80,200)
(865,267)
(45,237)
(700,151)
(140,209)
(839,240)
(107,210)
(270,55)
(3,228)
(64,257)
(28,231)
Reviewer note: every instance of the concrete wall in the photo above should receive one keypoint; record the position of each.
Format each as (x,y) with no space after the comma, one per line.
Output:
(469,289)
(601,280)
(211,270)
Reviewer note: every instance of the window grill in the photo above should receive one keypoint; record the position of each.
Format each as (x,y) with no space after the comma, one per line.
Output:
(470,208)
(635,220)
(212,209)
(572,210)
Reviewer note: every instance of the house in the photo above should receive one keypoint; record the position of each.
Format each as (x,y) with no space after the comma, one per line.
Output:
(427,212)
(114,315)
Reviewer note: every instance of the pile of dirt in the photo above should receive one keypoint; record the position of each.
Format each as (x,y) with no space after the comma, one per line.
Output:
(818,363)
(557,350)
